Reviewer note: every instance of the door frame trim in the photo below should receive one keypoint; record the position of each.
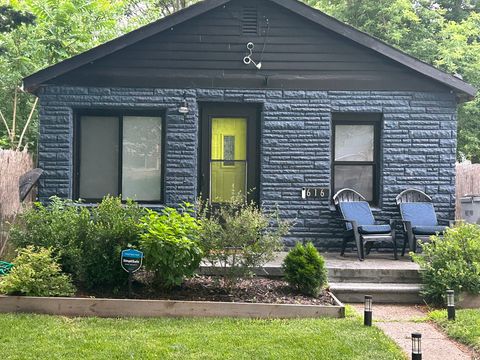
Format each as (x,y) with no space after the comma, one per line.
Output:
(252,112)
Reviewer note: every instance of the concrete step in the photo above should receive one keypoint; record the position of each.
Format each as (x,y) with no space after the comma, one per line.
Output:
(379,275)
(387,293)
(339,274)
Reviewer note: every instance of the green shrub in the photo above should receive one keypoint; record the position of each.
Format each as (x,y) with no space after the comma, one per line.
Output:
(170,245)
(239,236)
(305,269)
(451,262)
(36,273)
(60,225)
(113,227)
(86,240)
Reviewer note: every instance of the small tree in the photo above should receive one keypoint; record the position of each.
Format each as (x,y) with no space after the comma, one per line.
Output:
(305,269)
(239,236)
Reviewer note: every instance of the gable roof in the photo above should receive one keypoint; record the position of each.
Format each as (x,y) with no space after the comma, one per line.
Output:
(464,90)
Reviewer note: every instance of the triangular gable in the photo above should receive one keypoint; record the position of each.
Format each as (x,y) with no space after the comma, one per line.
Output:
(341,30)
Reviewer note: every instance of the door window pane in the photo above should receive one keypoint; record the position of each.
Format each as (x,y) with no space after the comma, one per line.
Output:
(141,161)
(227,181)
(354,142)
(228,163)
(228,149)
(98,157)
(356,177)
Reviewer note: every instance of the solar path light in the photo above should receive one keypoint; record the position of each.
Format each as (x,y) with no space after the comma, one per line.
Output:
(416,346)
(451,304)
(367,314)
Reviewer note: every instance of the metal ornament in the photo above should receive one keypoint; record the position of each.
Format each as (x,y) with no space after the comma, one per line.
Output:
(247,60)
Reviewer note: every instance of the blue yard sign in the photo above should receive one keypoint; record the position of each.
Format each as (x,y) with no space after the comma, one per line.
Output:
(131,260)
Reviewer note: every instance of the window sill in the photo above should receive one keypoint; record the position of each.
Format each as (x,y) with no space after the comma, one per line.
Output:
(144,205)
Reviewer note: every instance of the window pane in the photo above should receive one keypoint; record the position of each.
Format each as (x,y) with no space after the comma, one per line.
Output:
(142,158)
(229,139)
(356,177)
(228,180)
(354,142)
(98,157)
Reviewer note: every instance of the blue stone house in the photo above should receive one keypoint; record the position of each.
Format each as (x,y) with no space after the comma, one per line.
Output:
(269,98)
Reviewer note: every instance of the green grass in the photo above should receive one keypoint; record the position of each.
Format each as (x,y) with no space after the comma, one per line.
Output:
(53,337)
(466,327)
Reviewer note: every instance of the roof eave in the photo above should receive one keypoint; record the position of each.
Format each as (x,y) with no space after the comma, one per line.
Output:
(464,90)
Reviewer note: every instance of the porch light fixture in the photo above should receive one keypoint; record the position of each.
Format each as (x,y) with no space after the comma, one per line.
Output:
(451,304)
(183,109)
(367,313)
(416,346)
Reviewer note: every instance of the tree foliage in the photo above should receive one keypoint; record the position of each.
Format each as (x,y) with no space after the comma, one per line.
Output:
(10,18)
(444,33)
(145,11)
(62,28)
(37,33)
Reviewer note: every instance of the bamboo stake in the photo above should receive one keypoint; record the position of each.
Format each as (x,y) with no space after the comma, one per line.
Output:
(6,125)
(27,123)
(14,117)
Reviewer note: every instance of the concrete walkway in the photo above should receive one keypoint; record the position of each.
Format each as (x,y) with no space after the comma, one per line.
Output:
(399,322)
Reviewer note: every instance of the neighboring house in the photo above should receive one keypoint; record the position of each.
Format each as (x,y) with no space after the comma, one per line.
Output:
(174,110)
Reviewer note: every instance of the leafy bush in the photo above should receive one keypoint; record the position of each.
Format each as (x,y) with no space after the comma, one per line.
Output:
(239,236)
(36,273)
(451,262)
(170,244)
(87,241)
(60,226)
(113,227)
(305,269)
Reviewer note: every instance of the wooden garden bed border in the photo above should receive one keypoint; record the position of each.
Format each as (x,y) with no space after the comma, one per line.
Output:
(101,307)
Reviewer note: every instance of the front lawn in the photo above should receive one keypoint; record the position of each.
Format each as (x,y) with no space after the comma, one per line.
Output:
(466,327)
(53,337)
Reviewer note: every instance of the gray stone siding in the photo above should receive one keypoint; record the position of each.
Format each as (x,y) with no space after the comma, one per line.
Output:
(418,144)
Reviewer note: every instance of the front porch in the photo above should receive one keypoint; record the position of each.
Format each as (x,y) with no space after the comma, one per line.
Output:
(387,280)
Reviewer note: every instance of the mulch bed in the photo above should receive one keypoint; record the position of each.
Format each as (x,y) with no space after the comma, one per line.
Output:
(209,288)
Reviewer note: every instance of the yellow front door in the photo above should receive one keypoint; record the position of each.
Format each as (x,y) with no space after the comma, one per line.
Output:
(228,158)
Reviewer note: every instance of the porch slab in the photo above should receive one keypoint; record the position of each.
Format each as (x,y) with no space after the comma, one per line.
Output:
(375,262)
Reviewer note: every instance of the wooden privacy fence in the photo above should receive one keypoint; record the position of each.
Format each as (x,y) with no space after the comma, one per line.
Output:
(13,164)
(467,183)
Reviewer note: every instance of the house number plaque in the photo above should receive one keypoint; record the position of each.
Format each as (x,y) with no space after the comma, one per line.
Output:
(315,193)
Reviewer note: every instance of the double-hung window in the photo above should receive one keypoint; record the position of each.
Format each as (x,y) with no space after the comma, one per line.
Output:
(119,154)
(355,153)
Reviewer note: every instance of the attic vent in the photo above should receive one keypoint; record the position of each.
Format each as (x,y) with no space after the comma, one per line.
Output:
(250,20)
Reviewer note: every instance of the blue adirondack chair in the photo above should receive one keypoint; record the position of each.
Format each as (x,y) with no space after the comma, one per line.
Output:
(360,225)
(419,219)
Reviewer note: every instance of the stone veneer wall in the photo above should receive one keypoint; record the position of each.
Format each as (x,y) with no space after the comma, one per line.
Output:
(418,145)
